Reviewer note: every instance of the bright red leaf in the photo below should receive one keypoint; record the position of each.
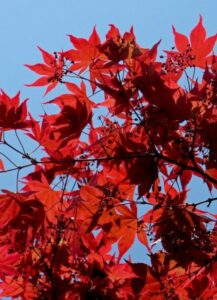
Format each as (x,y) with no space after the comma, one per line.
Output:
(198,48)
(52,70)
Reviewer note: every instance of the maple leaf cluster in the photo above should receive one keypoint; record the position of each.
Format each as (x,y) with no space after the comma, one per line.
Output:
(114,168)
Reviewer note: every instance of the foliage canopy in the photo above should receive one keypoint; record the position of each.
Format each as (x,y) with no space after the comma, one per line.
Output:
(114,166)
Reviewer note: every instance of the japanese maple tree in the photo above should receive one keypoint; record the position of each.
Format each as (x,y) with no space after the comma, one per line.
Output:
(112,168)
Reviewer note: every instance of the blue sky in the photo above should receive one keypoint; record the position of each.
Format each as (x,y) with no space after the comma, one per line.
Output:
(24,24)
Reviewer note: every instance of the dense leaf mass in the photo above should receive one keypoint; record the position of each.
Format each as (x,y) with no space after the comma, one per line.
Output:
(114,167)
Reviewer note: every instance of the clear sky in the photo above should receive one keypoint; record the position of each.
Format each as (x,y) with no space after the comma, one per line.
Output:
(24,24)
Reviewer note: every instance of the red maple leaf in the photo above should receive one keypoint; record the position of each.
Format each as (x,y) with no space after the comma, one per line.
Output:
(13,115)
(42,192)
(130,228)
(75,114)
(8,261)
(85,52)
(117,47)
(10,205)
(196,51)
(52,70)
